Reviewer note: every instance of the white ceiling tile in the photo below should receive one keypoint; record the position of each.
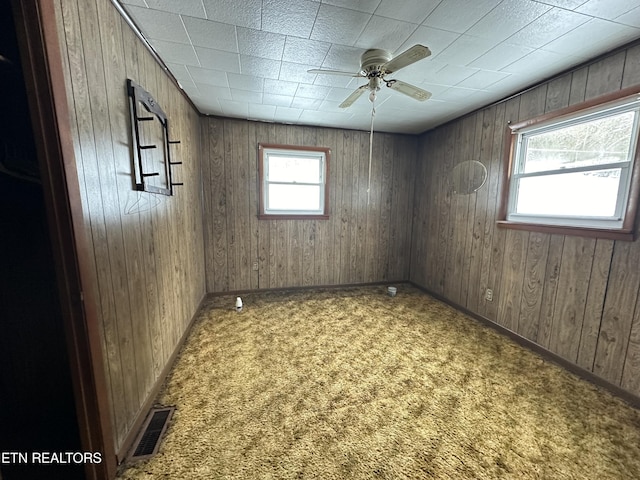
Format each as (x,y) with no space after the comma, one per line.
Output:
(632,18)
(454,74)
(218,60)
(437,40)
(511,84)
(306,103)
(342,57)
(580,41)
(548,27)
(325,118)
(276,100)
(247,13)
(182,74)
(459,15)
(209,34)
(280,87)
(137,3)
(368,6)
(159,25)
(500,56)
(262,112)
(297,72)
(338,94)
(288,114)
(422,71)
(332,80)
(246,96)
(210,91)
(332,105)
(385,33)
(455,94)
(465,49)
(607,9)
(312,91)
(176,52)
(245,82)
(544,62)
(232,108)
(260,44)
(205,76)
(208,107)
(567,4)
(483,79)
(302,50)
(507,18)
(289,18)
(259,67)
(193,8)
(434,88)
(468,40)
(338,25)
(414,11)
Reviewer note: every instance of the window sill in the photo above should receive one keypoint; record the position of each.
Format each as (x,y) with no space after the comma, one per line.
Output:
(263,216)
(625,235)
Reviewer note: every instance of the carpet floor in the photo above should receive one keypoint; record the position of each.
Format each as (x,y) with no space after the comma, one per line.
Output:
(354,384)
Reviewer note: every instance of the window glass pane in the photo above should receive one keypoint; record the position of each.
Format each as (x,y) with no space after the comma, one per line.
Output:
(294,169)
(592,194)
(600,141)
(294,197)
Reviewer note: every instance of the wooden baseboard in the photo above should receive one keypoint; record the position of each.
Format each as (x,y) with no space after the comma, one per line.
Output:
(124,450)
(591,377)
(308,287)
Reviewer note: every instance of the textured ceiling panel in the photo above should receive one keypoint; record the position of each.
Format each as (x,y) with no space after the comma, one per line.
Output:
(250,59)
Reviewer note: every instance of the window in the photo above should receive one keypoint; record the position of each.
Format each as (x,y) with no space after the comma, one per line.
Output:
(572,172)
(294,181)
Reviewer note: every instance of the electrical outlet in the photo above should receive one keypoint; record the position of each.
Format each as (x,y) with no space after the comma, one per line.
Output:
(488,296)
(255,266)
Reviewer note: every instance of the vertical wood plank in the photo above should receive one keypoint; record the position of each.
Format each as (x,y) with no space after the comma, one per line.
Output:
(631,73)
(605,75)
(550,290)
(532,289)
(573,283)
(598,278)
(617,316)
(478,217)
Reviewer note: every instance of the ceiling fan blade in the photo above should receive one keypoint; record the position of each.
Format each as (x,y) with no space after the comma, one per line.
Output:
(335,72)
(412,55)
(410,90)
(354,96)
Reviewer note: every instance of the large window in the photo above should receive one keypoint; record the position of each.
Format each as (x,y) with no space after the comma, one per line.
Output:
(573,171)
(293,181)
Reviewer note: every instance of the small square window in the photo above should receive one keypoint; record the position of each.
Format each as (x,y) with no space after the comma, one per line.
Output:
(293,181)
(575,170)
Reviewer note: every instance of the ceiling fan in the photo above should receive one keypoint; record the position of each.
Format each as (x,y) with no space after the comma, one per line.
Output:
(375,65)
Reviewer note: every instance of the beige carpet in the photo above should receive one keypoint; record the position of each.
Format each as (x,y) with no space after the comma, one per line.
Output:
(353,384)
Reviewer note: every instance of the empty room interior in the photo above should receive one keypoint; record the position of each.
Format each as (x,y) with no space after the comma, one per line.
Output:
(335,239)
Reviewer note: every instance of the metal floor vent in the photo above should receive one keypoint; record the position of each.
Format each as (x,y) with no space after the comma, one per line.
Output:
(152,430)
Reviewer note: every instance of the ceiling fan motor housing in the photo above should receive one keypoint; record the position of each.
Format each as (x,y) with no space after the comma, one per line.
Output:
(373,59)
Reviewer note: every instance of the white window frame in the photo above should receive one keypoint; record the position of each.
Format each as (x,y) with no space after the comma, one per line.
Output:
(596,226)
(266,151)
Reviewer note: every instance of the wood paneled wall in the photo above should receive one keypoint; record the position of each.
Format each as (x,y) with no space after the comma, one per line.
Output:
(360,243)
(577,297)
(148,251)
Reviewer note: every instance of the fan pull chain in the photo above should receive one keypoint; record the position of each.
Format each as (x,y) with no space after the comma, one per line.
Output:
(373,114)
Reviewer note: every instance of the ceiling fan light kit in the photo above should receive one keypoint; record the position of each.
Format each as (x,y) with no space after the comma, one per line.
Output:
(375,65)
